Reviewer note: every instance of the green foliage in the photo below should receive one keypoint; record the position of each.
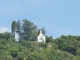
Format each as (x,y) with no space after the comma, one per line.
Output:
(49,39)
(26,29)
(6,57)
(5,35)
(62,48)
(21,56)
(55,49)
(68,43)
(78,52)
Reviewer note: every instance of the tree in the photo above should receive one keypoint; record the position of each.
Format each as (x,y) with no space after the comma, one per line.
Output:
(13,26)
(49,39)
(28,30)
(43,31)
(21,56)
(7,35)
(18,27)
(35,56)
(78,52)
(6,57)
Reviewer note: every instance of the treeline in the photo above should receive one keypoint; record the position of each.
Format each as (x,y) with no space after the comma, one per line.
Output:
(26,29)
(27,48)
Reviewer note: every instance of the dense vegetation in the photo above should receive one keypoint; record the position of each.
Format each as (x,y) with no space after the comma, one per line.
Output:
(27,48)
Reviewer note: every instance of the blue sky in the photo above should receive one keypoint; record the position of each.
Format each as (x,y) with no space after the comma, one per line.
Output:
(58,17)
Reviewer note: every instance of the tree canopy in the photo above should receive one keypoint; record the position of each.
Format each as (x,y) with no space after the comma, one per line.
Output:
(61,48)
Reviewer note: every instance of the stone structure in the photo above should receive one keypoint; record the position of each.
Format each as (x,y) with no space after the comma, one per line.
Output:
(17,37)
(41,37)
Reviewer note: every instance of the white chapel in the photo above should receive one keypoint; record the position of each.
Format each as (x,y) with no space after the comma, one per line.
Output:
(41,37)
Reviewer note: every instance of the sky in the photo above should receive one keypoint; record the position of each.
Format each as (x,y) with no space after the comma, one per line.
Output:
(58,17)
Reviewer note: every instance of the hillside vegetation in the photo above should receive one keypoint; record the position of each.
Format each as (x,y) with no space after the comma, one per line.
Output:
(27,48)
